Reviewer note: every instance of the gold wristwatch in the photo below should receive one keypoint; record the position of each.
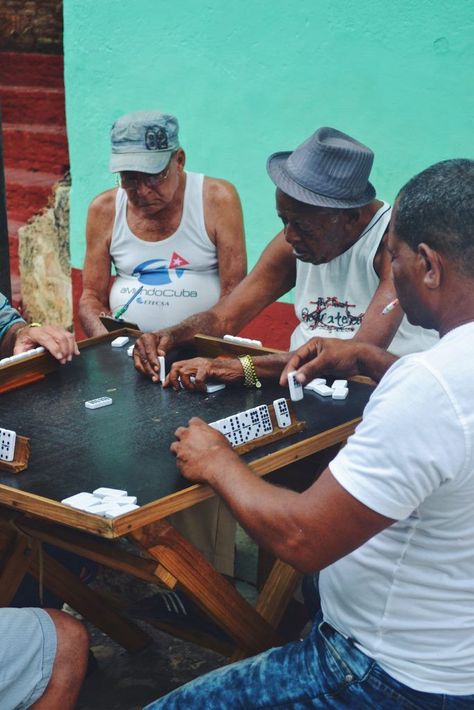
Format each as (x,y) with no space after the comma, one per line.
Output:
(250,373)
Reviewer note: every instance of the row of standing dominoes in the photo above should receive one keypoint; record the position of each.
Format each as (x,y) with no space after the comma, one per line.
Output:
(253,423)
(243,341)
(106,502)
(338,390)
(7,444)
(21,356)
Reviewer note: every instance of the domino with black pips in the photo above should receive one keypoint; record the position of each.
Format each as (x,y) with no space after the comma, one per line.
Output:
(7,444)
(250,424)
(295,387)
(265,419)
(229,431)
(282,413)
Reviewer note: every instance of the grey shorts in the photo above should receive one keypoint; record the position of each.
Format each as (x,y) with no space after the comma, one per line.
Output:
(27,652)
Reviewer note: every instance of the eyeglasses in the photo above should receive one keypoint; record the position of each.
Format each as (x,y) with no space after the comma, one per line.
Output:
(132,181)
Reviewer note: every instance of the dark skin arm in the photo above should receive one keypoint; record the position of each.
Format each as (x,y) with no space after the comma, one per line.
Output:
(228,370)
(337,358)
(273,275)
(309,530)
(377,328)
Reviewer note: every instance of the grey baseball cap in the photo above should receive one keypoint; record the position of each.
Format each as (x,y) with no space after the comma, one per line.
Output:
(143,141)
(330,169)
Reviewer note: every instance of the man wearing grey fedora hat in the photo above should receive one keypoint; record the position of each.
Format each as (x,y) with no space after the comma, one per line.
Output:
(331,248)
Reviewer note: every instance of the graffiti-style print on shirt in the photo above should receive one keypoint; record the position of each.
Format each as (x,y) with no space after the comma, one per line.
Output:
(331,314)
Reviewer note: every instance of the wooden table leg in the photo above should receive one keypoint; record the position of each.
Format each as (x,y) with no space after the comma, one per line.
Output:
(207,587)
(274,597)
(15,563)
(88,602)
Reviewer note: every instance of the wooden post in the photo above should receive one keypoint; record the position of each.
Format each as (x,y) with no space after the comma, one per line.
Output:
(5,283)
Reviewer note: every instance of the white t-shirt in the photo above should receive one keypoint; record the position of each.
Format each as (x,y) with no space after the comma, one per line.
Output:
(407,595)
(331,299)
(179,274)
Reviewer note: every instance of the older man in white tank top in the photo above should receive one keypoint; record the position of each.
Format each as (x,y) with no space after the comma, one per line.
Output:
(176,237)
(180,237)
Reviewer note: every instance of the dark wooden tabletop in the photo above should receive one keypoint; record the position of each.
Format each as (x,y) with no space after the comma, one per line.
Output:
(126,445)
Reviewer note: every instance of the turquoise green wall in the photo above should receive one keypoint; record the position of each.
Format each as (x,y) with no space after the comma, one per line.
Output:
(247,78)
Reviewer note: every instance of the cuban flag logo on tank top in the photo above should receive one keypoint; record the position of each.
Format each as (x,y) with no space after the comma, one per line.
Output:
(155,272)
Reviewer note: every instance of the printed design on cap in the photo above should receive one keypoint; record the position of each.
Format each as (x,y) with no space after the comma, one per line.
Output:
(156,138)
(154,272)
(331,314)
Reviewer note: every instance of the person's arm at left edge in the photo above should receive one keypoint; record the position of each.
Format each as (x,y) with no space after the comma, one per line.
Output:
(17,337)
(224,225)
(378,328)
(307,530)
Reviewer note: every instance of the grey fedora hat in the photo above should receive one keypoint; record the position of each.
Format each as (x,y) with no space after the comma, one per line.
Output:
(330,169)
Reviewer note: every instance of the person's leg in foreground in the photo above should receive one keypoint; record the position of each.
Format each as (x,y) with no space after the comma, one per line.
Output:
(43,659)
(325,670)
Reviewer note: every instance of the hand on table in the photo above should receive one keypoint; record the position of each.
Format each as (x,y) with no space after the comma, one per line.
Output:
(323,356)
(58,341)
(146,351)
(203,369)
(201,451)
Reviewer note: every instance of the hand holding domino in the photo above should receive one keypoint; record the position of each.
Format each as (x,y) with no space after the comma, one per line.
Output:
(295,387)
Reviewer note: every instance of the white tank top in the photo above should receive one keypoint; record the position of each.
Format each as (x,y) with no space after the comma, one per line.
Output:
(179,274)
(331,299)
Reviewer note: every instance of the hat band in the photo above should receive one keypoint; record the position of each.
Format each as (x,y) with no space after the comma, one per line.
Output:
(341,197)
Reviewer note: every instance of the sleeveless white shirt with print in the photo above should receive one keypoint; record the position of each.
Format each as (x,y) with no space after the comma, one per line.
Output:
(179,274)
(331,299)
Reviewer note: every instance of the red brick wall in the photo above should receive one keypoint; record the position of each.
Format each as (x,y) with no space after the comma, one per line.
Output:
(31,26)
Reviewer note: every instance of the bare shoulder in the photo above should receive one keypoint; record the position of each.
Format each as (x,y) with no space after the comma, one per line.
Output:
(100,218)
(219,193)
(104,203)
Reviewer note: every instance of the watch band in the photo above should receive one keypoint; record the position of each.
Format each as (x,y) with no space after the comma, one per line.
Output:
(250,373)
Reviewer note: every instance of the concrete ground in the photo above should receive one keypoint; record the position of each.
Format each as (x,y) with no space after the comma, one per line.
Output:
(125,681)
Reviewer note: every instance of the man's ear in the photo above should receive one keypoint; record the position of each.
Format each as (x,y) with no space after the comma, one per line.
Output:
(431,264)
(180,159)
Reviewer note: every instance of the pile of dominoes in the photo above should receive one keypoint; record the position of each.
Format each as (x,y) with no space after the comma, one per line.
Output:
(338,389)
(253,423)
(106,502)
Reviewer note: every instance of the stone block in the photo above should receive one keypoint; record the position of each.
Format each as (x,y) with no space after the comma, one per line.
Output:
(44,262)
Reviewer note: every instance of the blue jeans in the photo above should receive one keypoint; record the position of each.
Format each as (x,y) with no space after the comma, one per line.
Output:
(325,670)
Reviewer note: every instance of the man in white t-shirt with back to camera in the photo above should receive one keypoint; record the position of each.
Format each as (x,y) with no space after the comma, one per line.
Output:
(390,522)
